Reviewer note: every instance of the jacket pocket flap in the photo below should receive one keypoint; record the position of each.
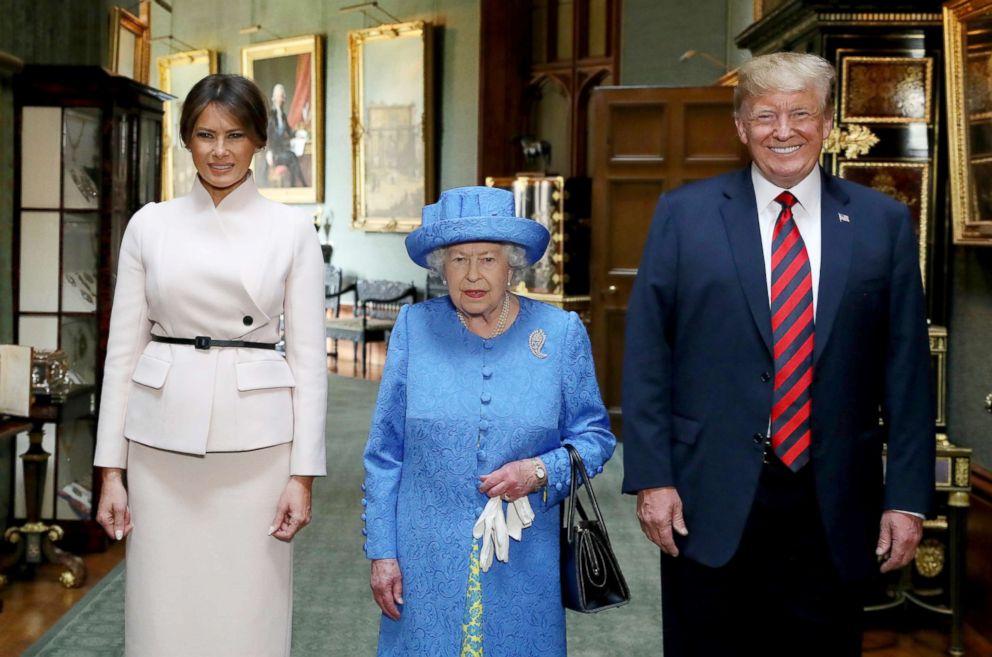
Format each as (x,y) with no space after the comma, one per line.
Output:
(685,429)
(258,374)
(151,371)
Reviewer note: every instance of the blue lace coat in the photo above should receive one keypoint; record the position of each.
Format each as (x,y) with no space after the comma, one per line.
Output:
(453,406)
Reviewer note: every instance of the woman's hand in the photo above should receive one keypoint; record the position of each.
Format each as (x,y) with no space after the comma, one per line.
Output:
(387,586)
(113,513)
(293,511)
(514,480)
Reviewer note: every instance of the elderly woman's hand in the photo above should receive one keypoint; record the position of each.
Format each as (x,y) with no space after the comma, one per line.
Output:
(514,480)
(387,586)
(293,510)
(113,513)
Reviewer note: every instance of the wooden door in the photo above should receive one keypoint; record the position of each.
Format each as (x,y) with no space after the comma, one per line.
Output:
(646,141)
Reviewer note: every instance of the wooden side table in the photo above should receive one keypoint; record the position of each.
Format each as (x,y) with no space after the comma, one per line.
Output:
(10,428)
(34,541)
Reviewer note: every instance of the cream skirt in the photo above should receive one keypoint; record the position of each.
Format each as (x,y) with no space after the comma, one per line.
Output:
(203,576)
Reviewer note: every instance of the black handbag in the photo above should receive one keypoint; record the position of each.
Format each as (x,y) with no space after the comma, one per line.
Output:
(591,580)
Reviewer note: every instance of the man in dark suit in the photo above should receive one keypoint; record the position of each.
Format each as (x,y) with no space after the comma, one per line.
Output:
(777,317)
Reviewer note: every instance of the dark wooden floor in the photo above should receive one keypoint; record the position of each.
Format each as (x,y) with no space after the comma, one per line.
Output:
(30,608)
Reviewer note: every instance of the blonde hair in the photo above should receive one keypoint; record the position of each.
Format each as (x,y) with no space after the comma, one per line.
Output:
(785,72)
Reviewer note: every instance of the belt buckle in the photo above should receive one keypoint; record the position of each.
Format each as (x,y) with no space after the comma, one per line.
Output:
(201,342)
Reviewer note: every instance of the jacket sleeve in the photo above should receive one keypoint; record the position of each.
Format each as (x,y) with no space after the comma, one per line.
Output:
(647,366)
(908,411)
(584,421)
(384,450)
(130,332)
(306,352)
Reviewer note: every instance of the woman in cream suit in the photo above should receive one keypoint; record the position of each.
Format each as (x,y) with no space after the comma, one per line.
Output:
(220,434)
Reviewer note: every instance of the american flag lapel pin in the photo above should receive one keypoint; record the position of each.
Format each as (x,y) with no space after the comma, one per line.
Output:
(843,218)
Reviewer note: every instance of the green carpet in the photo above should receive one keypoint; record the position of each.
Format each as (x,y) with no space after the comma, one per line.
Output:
(334,615)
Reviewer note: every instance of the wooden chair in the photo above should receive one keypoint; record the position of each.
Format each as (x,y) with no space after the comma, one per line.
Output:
(377,304)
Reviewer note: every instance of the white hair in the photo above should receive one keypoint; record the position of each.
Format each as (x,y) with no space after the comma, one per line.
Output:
(784,72)
(516,257)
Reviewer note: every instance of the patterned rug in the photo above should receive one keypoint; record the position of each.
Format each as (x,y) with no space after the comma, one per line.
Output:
(334,615)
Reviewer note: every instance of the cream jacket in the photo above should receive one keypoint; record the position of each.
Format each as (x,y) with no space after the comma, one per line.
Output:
(190,269)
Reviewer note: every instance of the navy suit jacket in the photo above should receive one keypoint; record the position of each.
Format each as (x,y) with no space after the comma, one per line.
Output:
(698,370)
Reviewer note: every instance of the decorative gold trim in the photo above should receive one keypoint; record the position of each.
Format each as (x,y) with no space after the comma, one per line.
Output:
(962,472)
(968,228)
(924,199)
(881,17)
(959,499)
(165,65)
(939,523)
(313,44)
(854,140)
(929,558)
(356,41)
(847,117)
(938,351)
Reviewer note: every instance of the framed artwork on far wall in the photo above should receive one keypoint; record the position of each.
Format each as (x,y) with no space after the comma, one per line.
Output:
(290,72)
(886,90)
(177,73)
(392,123)
(130,42)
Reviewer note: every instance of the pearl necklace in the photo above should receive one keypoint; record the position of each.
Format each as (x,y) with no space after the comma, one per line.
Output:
(501,327)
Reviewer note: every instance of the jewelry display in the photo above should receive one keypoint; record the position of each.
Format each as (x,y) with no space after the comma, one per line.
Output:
(501,327)
(81,144)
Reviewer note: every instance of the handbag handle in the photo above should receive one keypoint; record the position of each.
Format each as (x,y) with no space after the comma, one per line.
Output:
(578,466)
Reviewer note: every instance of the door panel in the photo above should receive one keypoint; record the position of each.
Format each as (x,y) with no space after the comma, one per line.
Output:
(646,141)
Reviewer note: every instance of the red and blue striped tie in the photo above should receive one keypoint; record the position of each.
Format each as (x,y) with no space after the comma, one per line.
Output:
(792,331)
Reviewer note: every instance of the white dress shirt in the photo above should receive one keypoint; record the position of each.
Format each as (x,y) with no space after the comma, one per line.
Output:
(806,214)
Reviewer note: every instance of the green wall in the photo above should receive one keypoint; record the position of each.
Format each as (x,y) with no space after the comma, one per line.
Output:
(215,25)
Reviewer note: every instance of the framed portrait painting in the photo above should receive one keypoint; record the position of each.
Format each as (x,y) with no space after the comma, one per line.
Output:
(290,72)
(177,73)
(392,125)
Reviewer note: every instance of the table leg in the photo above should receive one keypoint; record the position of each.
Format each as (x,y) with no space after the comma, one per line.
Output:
(957,518)
(35,540)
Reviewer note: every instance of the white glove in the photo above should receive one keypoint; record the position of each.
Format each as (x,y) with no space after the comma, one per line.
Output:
(491,528)
(519,516)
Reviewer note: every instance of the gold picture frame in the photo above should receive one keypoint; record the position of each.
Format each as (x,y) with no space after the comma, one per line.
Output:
(130,42)
(290,72)
(886,90)
(392,125)
(177,73)
(906,182)
(968,61)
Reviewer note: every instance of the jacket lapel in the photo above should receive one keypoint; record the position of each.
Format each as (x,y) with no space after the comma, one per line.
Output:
(836,246)
(740,218)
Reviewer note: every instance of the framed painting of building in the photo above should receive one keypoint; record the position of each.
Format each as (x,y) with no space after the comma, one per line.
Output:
(290,72)
(392,125)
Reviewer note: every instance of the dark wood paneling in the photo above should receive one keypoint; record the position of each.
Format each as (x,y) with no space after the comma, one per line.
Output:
(978,589)
(646,140)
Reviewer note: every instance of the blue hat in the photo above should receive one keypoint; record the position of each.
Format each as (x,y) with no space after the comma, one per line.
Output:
(475,214)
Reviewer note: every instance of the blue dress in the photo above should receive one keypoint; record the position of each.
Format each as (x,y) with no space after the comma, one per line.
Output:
(453,406)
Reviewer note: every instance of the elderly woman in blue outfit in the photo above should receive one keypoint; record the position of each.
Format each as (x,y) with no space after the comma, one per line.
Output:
(480,391)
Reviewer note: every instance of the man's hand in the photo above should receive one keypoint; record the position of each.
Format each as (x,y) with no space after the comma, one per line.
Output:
(900,534)
(660,510)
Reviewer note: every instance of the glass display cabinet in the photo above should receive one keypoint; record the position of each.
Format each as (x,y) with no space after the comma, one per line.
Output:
(87,156)
(561,276)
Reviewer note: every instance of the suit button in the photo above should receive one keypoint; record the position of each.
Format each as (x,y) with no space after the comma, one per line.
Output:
(247,320)
(766,377)
(558,486)
(363,517)
(365,532)
(758,438)
(486,398)
(487,372)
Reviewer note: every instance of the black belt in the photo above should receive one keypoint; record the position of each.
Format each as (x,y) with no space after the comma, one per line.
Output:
(203,342)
